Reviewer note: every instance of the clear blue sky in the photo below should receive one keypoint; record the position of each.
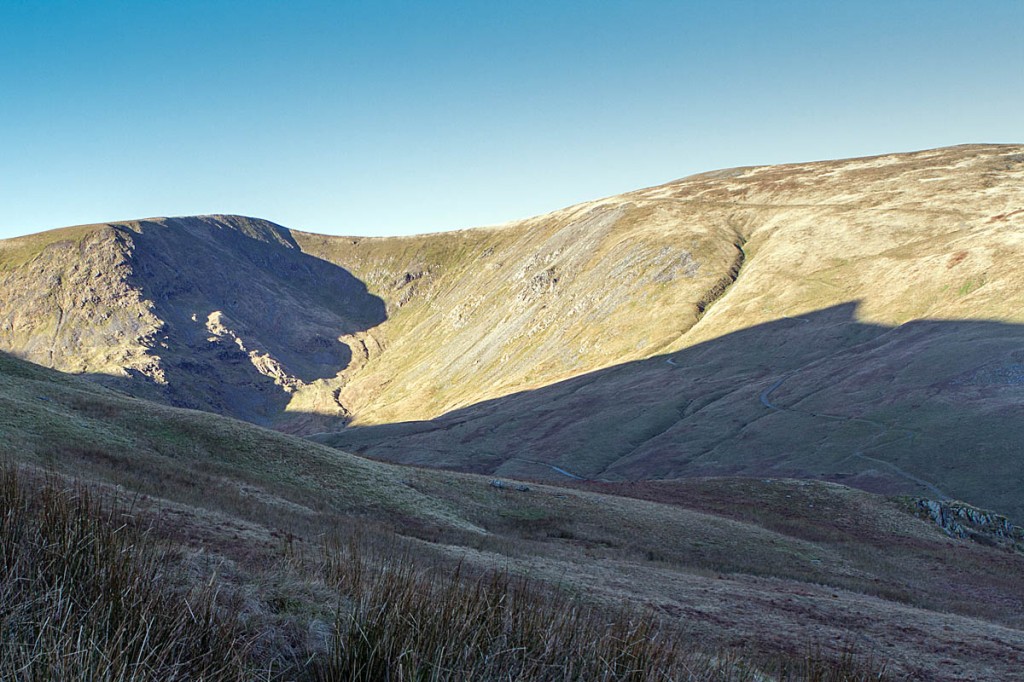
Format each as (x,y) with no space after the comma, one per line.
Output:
(401,117)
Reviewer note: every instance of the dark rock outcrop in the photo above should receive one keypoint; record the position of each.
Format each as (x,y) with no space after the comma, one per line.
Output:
(961,520)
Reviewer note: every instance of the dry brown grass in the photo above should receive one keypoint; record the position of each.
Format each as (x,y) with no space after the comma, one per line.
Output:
(766,575)
(83,597)
(84,594)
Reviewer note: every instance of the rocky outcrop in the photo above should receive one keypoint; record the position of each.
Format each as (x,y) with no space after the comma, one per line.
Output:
(961,520)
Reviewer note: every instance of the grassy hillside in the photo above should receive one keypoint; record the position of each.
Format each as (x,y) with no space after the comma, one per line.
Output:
(855,321)
(75,427)
(282,524)
(927,408)
(479,314)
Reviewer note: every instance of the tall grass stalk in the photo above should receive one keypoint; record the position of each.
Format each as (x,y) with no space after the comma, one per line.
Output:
(82,598)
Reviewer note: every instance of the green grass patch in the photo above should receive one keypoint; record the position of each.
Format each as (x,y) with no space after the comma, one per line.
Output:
(971,285)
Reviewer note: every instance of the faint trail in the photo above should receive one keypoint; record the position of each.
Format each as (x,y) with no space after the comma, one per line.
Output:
(883,430)
(768,391)
(567,473)
(905,474)
(554,468)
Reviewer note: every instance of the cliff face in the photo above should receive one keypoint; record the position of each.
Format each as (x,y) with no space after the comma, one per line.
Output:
(218,313)
(66,302)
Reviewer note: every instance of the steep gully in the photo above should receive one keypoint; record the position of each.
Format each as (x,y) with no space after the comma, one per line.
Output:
(716,293)
(720,288)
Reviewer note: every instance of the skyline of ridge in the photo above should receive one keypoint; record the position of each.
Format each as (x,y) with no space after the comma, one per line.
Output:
(515,221)
(396,118)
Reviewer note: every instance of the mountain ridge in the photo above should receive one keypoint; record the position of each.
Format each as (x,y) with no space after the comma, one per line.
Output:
(361,332)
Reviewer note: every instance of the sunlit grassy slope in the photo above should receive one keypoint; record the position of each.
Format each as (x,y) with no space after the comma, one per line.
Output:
(75,427)
(478,314)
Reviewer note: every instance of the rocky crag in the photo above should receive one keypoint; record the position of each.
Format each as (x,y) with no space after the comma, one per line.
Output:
(961,520)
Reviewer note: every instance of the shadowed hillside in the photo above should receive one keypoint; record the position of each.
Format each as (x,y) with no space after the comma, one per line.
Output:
(282,532)
(930,408)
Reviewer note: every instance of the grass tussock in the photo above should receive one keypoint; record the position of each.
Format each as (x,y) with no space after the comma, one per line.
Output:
(82,597)
(404,623)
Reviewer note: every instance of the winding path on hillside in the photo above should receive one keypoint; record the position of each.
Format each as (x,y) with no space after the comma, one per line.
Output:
(765,398)
(559,470)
